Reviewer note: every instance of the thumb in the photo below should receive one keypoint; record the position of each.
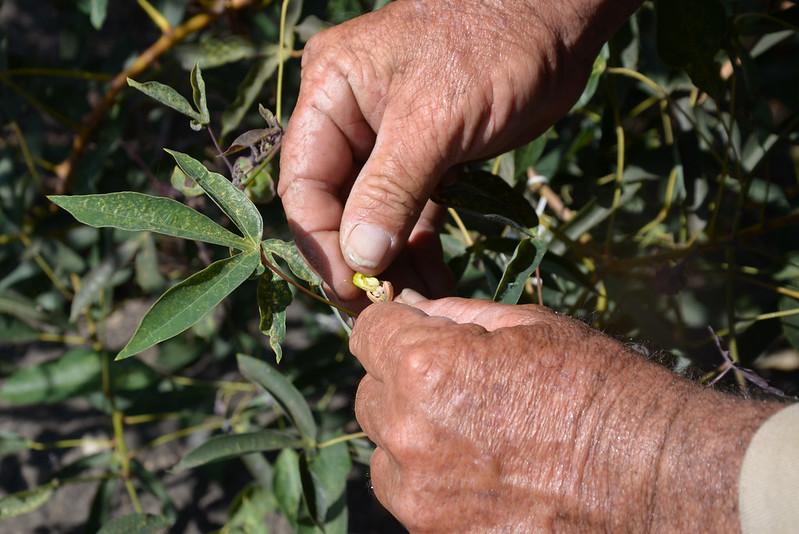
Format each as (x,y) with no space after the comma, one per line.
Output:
(387,198)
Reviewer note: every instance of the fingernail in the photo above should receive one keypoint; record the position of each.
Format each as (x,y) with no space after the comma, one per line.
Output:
(367,245)
(410,297)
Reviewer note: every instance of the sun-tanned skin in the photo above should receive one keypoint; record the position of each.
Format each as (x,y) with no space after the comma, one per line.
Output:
(513,419)
(486,417)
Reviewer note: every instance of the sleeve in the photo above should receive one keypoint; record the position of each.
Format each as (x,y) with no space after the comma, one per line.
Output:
(768,488)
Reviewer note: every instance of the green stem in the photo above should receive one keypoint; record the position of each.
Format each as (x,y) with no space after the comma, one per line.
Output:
(118,422)
(649,82)
(225,385)
(745,323)
(211,424)
(341,439)
(70,443)
(45,267)
(26,154)
(280,61)
(619,182)
(305,290)
(134,497)
(662,93)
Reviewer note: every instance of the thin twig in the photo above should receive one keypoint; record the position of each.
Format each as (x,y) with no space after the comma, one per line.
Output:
(280,62)
(462,227)
(538,285)
(341,439)
(45,267)
(219,151)
(26,153)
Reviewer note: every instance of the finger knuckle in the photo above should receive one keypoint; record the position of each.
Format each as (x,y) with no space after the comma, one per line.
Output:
(416,508)
(379,475)
(419,371)
(374,330)
(316,45)
(406,443)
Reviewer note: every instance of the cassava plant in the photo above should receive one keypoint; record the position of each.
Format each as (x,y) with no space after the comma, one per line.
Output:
(662,209)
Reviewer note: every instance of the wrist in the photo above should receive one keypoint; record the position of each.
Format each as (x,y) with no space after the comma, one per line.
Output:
(669,453)
(700,466)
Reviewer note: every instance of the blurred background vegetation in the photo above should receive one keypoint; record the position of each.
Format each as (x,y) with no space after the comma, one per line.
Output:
(666,200)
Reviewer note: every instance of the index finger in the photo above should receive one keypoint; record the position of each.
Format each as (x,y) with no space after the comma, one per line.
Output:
(326,138)
(378,335)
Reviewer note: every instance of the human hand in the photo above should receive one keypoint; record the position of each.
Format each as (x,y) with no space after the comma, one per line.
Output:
(512,418)
(392,100)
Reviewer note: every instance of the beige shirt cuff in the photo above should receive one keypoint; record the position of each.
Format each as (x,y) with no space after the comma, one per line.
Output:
(768,490)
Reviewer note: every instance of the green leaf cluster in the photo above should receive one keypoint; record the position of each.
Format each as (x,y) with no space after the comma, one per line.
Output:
(664,203)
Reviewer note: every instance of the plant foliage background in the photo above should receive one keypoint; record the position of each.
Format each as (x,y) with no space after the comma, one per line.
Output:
(664,206)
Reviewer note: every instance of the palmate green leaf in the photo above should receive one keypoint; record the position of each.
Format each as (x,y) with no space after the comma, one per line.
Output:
(229,446)
(100,277)
(274,295)
(287,483)
(288,252)
(25,502)
(249,89)
(285,394)
(525,260)
(136,524)
(486,194)
(168,97)
(231,200)
(187,302)
(198,95)
(139,212)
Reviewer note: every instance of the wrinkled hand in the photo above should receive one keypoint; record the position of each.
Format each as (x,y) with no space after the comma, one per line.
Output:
(392,100)
(514,419)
